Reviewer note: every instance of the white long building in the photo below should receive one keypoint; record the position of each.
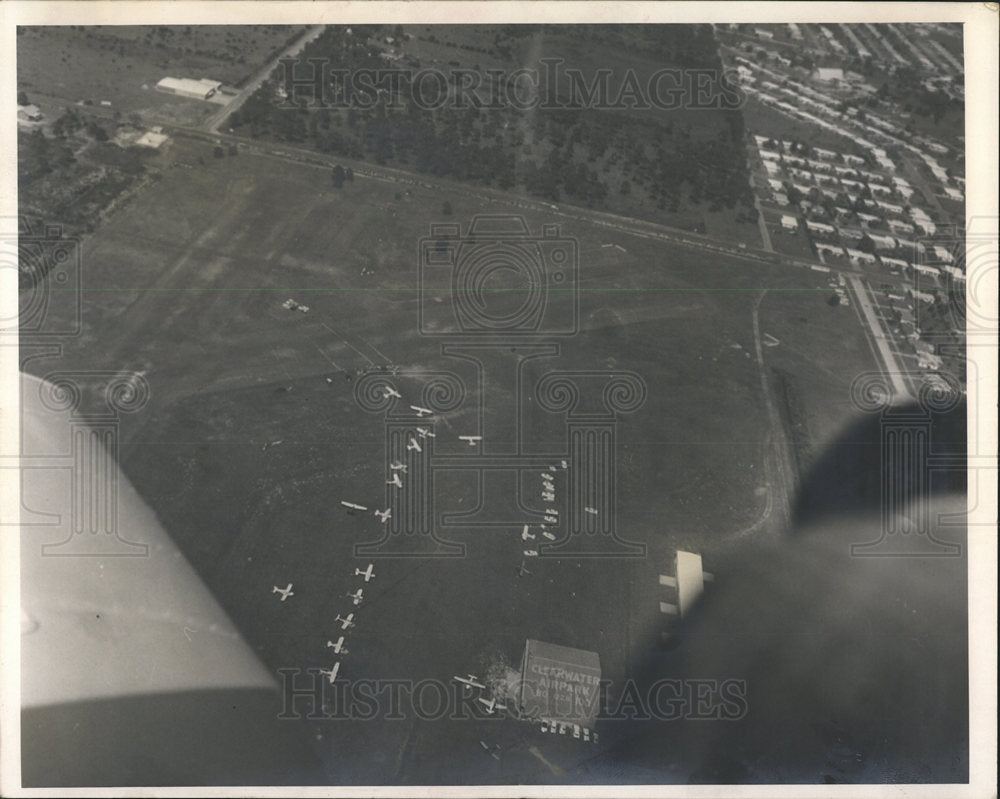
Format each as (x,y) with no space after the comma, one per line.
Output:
(186,87)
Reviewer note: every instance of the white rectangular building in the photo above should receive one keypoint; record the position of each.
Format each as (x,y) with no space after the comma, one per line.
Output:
(201,89)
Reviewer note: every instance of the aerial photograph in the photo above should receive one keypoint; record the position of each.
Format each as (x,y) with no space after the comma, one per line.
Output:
(533,404)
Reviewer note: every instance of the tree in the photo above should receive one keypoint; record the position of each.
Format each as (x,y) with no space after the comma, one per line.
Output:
(22,98)
(349,174)
(866,244)
(338,176)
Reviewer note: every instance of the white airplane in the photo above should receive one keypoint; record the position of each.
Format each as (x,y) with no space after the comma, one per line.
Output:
(413,445)
(367,573)
(357,597)
(472,680)
(531,553)
(383,515)
(285,592)
(395,481)
(337,647)
(423,432)
(552,511)
(548,535)
(345,623)
(548,496)
(396,466)
(521,570)
(331,674)
(421,411)
(592,511)
(565,465)
(547,476)
(472,440)
(491,705)
(525,535)
(548,486)
(352,505)
(551,519)
(391,392)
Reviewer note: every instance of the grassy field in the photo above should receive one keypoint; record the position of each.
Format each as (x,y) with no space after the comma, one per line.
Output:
(252,435)
(67,64)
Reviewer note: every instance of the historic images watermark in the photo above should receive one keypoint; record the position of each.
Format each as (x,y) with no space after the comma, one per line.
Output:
(316,83)
(307,693)
(499,298)
(70,484)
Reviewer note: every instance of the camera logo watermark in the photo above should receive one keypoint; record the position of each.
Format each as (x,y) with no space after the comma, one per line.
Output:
(500,300)
(498,280)
(47,263)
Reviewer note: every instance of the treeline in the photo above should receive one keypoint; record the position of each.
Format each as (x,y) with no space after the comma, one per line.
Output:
(583,155)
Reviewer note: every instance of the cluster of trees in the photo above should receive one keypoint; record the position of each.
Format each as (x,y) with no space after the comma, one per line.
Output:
(582,155)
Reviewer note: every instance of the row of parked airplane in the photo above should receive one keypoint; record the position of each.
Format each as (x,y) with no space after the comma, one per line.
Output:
(345,622)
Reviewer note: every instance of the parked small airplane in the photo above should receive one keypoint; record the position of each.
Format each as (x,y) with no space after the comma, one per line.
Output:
(421,411)
(552,511)
(423,432)
(285,592)
(352,505)
(413,445)
(391,392)
(592,511)
(396,466)
(548,486)
(383,515)
(357,597)
(547,476)
(472,440)
(345,623)
(548,535)
(395,481)
(531,553)
(565,465)
(331,674)
(521,570)
(471,680)
(551,519)
(526,536)
(337,647)
(548,496)
(367,573)
(491,705)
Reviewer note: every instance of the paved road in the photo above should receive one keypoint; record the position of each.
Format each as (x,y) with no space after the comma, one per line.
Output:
(214,122)
(877,335)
